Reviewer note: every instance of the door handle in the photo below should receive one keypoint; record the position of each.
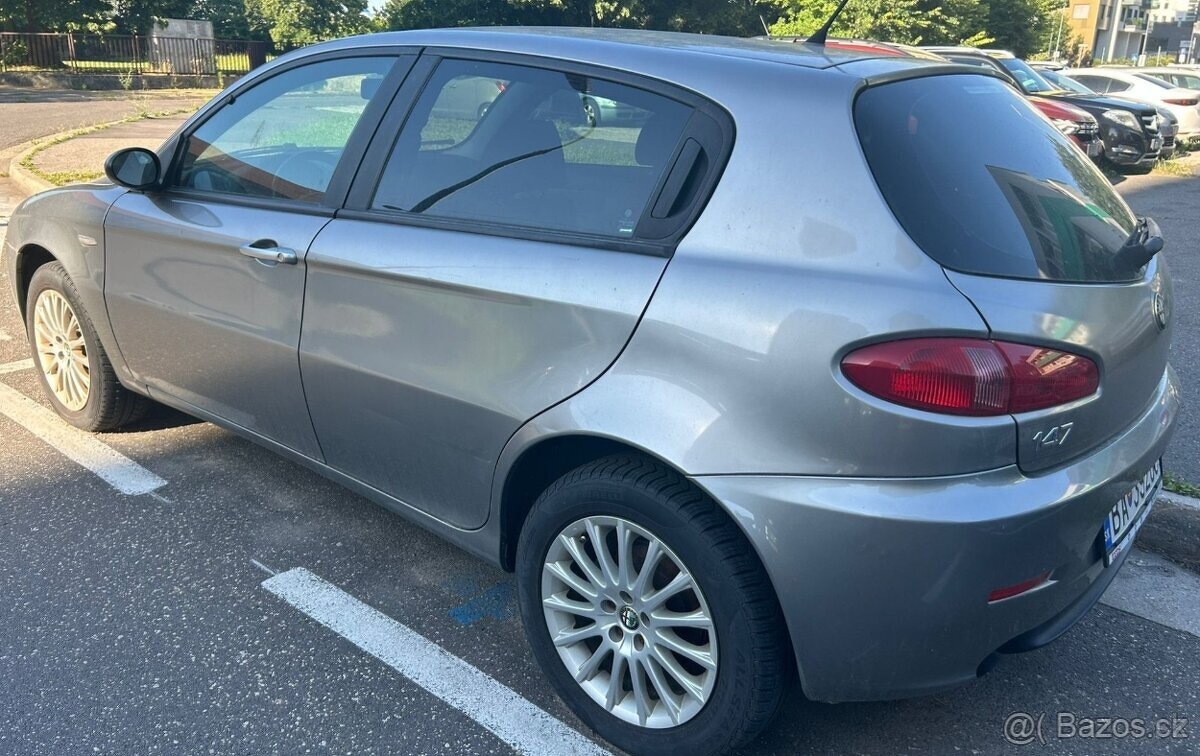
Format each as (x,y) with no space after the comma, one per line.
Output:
(265,250)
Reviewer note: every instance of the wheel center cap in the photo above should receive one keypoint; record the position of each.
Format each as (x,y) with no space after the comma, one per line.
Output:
(629,618)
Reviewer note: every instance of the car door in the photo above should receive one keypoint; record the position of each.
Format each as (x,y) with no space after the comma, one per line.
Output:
(204,280)
(489,267)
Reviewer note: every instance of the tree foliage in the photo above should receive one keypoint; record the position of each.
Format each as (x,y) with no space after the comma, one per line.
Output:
(1023,26)
(52,15)
(291,23)
(732,17)
(911,22)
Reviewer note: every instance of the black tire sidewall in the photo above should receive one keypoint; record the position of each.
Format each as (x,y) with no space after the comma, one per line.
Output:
(53,277)
(708,730)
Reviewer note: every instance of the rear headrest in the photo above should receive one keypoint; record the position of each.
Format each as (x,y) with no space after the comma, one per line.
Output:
(656,142)
(535,136)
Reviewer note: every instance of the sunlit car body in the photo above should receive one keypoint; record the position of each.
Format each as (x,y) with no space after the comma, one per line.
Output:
(1132,132)
(1130,84)
(860,347)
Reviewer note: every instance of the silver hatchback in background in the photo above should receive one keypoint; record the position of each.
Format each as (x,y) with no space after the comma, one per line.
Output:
(826,366)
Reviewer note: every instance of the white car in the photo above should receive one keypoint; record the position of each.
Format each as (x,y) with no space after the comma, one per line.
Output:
(1135,84)
(1187,78)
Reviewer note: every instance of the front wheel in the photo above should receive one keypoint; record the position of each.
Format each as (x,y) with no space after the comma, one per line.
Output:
(648,611)
(74,369)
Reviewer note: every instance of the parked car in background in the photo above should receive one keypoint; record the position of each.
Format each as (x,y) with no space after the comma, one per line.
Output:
(729,428)
(1176,77)
(1131,131)
(1075,122)
(1127,83)
(1168,126)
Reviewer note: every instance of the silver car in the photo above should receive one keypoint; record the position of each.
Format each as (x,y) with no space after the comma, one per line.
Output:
(835,367)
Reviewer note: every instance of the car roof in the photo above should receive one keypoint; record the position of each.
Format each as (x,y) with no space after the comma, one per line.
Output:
(607,45)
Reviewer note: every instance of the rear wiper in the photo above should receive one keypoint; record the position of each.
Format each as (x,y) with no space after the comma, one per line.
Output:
(1142,245)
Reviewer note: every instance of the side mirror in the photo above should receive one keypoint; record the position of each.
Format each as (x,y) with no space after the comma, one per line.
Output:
(133,168)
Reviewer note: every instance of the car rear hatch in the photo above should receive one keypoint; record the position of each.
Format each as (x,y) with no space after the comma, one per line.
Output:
(1032,234)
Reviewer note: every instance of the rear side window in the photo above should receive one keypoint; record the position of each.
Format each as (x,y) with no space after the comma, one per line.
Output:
(984,184)
(530,147)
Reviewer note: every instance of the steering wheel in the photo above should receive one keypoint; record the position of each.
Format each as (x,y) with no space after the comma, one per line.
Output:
(303,175)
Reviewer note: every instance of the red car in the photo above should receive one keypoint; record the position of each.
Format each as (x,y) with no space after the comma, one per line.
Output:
(1076,123)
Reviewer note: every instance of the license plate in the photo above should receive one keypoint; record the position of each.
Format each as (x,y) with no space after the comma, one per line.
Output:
(1155,144)
(1093,148)
(1128,514)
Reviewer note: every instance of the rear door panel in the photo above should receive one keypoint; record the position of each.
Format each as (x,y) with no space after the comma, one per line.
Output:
(1113,324)
(424,350)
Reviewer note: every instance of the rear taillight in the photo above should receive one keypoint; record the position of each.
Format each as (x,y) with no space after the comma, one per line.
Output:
(970,376)
(1182,102)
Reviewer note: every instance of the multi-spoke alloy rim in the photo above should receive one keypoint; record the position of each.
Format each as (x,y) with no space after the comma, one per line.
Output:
(629,622)
(62,353)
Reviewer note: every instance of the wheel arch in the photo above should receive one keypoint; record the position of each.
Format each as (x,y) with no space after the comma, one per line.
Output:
(29,258)
(536,468)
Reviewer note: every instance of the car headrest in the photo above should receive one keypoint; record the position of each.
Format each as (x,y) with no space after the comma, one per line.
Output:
(656,142)
(536,135)
(368,87)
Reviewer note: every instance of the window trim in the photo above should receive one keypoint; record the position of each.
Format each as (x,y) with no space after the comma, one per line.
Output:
(403,60)
(708,119)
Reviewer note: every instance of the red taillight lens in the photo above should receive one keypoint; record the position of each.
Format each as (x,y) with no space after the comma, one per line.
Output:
(1181,102)
(970,376)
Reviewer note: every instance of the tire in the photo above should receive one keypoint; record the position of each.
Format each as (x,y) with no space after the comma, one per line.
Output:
(752,668)
(591,112)
(105,404)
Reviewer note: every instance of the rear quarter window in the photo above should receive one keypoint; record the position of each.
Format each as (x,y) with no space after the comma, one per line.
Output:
(984,184)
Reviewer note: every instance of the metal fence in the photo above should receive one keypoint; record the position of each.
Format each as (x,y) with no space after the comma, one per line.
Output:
(128,54)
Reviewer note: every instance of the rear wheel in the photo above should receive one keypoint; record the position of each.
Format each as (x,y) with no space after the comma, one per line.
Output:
(591,112)
(74,369)
(649,612)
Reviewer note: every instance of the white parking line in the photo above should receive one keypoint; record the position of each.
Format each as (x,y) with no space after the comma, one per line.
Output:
(513,719)
(114,468)
(16,367)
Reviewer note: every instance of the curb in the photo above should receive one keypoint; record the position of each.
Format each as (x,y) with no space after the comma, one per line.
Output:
(1180,501)
(27,180)
(32,183)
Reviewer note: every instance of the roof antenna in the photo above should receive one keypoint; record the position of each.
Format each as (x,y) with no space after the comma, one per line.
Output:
(818,37)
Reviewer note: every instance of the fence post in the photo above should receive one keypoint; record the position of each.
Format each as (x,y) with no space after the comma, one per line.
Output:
(137,62)
(71,51)
(3,55)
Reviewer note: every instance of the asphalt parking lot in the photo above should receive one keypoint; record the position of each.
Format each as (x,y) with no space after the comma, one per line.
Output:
(201,595)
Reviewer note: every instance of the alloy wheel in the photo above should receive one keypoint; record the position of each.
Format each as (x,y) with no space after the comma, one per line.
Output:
(61,350)
(629,622)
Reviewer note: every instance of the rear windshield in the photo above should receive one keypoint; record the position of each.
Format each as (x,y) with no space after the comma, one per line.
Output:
(1065,82)
(984,184)
(1031,81)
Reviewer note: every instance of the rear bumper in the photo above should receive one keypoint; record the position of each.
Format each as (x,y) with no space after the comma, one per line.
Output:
(884,582)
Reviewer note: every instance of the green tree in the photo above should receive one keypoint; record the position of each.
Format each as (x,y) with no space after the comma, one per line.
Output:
(734,17)
(293,23)
(138,16)
(910,22)
(52,15)
(1023,26)
(228,17)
